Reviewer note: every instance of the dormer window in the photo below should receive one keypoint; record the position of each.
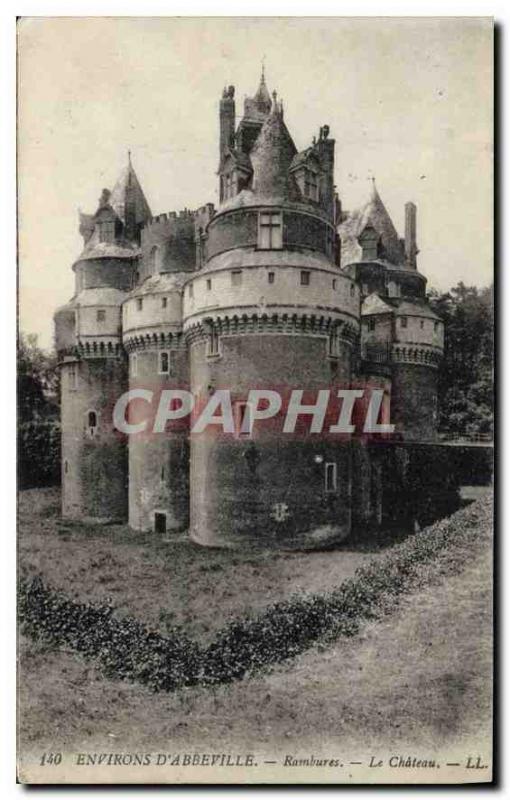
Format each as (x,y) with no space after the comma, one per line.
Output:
(270,230)
(311,185)
(107,231)
(229,185)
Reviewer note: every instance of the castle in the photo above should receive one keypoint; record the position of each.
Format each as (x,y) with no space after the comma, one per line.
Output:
(278,286)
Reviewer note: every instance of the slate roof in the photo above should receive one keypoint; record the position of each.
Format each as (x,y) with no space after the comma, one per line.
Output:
(128,182)
(271,158)
(373,213)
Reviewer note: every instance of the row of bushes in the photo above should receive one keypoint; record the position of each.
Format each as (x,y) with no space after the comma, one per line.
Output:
(126,649)
(38,453)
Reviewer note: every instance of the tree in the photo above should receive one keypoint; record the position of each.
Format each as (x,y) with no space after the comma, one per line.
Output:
(465,381)
(38,381)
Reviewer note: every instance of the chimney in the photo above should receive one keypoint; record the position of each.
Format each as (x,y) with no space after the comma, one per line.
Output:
(227,120)
(411,251)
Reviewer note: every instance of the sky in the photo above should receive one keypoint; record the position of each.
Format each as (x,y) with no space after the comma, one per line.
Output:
(408,101)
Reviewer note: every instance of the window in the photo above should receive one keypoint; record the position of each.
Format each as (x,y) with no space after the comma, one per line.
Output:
(101,315)
(353,290)
(213,346)
(107,231)
(134,365)
(91,423)
(270,230)
(139,304)
(66,466)
(403,322)
(162,474)
(164,362)
(305,278)
(334,283)
(164,302)
(311,185)
(371,324)
(190,290)
(436,327)
(237,277)
(73,376)
(364,288)
(244,420)
(152,259)
(209,284)
(330,476)
(229,185)
(159,522)
(270,277)
(393,289)
(334,344)
(422,323)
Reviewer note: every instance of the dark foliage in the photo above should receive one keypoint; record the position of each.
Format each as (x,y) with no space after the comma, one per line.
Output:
(466,373)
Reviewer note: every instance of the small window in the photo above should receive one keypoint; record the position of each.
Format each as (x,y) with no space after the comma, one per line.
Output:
(213,345)
(330,477)
(91,423)
(244,420)
(66,466)
(159,522)
(209,284)
(139,304)
(364,288)
(164,302)
(334,344)
(190,290)
(371,324)
(422,324)
(162,474)
(305,278)
(164,362)
(436,326)
(270,277)
(334,283)
(134,365)
(270,230)
(237,277)
(403,322)
(353,291)
(73,377)
(101,315)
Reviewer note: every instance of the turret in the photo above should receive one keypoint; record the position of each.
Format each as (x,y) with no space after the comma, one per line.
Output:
(227,120)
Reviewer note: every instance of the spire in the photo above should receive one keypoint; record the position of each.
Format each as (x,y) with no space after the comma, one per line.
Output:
(375,215)
(128,200)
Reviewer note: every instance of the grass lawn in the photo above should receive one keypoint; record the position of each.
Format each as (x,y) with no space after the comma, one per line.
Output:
(415,681)
(168,583)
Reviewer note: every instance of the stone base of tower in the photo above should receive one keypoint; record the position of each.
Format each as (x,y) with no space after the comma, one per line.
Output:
(414,401)
(274,495)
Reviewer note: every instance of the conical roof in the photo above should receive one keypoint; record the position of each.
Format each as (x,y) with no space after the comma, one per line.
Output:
(272,156)
(127,191)
(372,214)
(262,96)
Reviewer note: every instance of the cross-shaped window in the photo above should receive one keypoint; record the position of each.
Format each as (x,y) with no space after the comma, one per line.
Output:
(270,230)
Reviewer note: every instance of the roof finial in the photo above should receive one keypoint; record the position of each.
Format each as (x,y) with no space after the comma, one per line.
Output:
(263,75)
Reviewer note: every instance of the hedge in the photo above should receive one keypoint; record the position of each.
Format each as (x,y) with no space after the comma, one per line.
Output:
(128,650)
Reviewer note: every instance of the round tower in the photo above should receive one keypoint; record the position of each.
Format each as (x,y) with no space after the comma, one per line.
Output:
(402,339)
(271,311)
(158,361)
(92,360)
